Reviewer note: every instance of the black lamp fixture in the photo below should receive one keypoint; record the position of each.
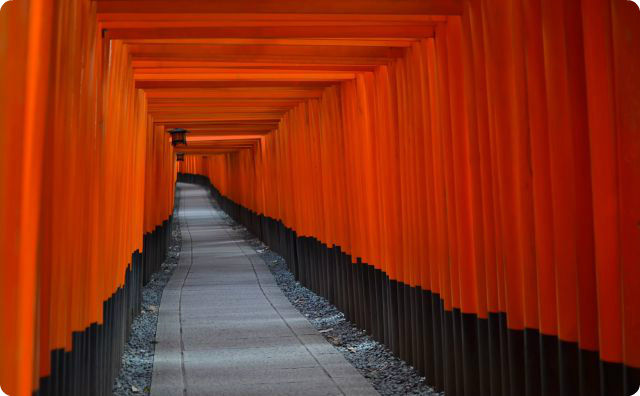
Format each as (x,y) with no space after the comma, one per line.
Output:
(178,136)
(179,157)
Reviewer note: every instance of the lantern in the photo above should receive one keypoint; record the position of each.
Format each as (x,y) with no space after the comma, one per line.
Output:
(178,136)
(179,157)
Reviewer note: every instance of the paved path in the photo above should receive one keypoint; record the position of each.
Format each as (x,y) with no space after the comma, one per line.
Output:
(225,328)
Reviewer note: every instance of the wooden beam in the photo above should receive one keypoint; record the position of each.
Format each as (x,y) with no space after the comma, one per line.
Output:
(183,63)
(363,42)
(238,93)
(209,74)
(357,32)
(216,138)
(159,103)
(117,20)
(232,84)
(219,109)
(185,117)
(243,52)
(394,7)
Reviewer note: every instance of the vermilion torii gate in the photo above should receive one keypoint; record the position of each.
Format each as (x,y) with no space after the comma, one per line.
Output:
(466,173)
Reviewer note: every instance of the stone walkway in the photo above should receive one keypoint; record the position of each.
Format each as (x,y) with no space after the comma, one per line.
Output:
(225,328)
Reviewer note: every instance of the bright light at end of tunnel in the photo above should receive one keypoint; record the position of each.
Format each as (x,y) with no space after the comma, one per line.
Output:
(2,2)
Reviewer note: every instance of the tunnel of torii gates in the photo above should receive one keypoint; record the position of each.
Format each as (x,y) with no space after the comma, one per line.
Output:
(460,177)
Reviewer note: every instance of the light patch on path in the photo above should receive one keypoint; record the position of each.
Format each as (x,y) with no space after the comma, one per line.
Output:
(225,327)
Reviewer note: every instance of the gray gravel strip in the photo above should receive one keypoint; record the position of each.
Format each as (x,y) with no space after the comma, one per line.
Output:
(389,375)
(137,360)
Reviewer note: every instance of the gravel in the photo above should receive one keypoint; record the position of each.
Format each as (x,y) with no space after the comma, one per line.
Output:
(389,375)
(137,360)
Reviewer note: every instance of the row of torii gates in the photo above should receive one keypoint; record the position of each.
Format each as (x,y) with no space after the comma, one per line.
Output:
(482,157)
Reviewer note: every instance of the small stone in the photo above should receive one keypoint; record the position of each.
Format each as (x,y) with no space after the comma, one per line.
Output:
(134,389)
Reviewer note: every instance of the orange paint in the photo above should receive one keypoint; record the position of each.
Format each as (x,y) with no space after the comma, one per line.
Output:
(483,151)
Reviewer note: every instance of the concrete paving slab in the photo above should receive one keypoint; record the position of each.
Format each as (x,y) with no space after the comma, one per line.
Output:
(286,389)
(226,328)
